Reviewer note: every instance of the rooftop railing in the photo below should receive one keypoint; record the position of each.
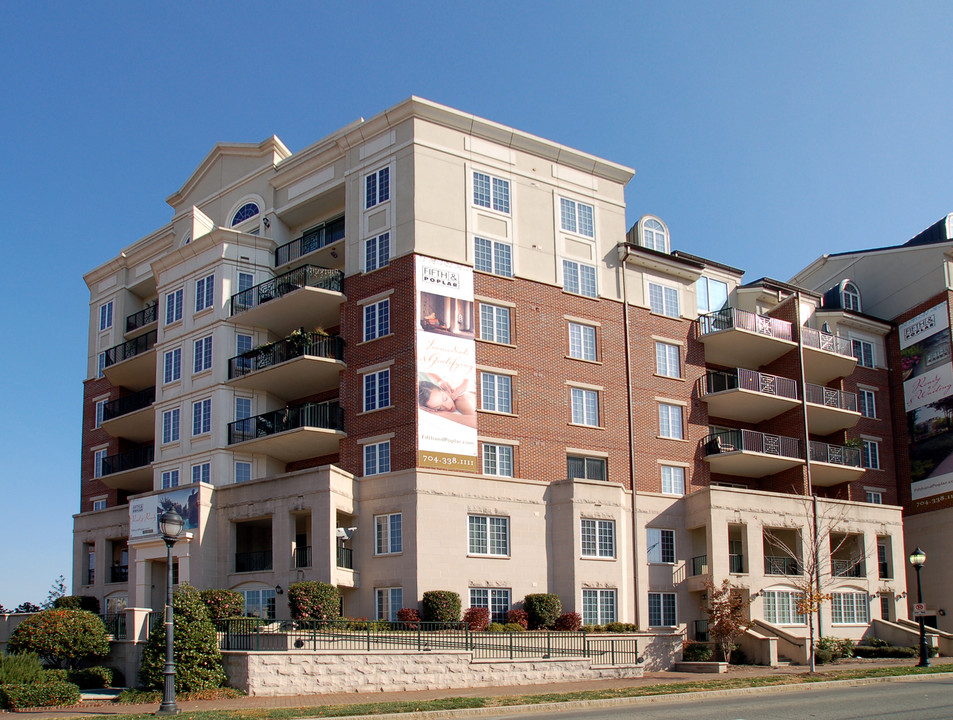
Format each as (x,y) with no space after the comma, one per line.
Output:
(834,454)
(751,441)
(129,403)
(831,397)
(719,380)
(146,316)
(131,348)
(306,276)
(312,240)
(129,460)
(293,346)
(328,415)
(729,318)
(825,341)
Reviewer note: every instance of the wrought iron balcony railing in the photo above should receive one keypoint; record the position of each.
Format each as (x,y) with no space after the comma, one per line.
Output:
(131,348)
(701,631)
(314,239)
(306,276)
(345,557)
(253,561)
(736,563)
(700,565)
(129,460)
(751,441)
(328,415)
(825,341)
(146,316)
(293,346)
(848,568)
(303,556)
(119,573)
(729,318)
(835,454)
(831,397)
(129,403)
(719,380)
(780,565)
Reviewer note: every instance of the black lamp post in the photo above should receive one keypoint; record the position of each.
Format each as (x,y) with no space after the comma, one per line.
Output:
(170,525)
(917,559)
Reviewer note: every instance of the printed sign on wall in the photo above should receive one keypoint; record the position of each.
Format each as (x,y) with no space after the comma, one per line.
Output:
(144,513)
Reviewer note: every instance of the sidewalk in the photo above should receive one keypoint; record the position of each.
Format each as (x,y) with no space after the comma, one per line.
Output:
(88,709)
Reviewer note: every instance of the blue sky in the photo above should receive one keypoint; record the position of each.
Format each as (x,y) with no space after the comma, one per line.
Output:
(764,134)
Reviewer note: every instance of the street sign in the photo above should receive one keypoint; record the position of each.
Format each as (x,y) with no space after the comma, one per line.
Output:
(919,610)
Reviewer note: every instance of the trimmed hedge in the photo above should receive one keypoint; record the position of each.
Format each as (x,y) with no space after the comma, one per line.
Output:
(18,696)
(78,602)
(495,628)
(441,606)
(542,609)
(222,604)
(20,669)
(513,627)
(61,637)
(892,651)
(696,652)
(477,618)
(92,678)
(312,600)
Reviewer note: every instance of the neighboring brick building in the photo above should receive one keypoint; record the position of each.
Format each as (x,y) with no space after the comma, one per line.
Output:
(423,353)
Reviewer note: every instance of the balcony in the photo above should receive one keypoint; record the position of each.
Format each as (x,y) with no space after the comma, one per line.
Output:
(345,558)
(834,464)
(303,557)
(747,453)
(119,574)
(701,631)
(130,470)
(830,410)
(848,568)
(256,561)
(736,337)
(699,565)
(748,396)
(309,296)
(282,368)
(826,357)
(131,416)
(292,433)
(142,319)
(736,564)
(132,364)
(313,240)
(780,565)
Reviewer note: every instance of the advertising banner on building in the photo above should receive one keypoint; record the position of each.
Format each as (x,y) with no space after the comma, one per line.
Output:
(926,362)
(446,366)
(144,513)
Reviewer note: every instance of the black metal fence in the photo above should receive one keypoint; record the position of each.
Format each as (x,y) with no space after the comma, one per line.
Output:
(314,239)
(129,460)
(324,346)
(129,403)
(115,625)
(131,348)
(146,316)
(306,276)
(328,415)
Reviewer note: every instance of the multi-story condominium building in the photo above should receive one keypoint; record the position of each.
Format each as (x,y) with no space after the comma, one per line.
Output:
(423,353)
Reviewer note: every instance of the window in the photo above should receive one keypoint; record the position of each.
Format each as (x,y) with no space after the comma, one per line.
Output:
(202,417)
(712,294)
(870,455)
(875,496)
(670,421)
(850,609)
(863,350)
(663,300)
(203,355)
(586,468)
(497,460)
(170,426)
(202,473)
(496,392)
(598,607)
(377,188)
(245,212)
(260,603)
(245,281)
(885,608)
(99,504)
(673,480)
(660,546)
(389,601)
(576,217)
(582,342)
(780,607)
(377,458)
(242,408)
(662,610)
(173,307)
(106,316)
(377,252)
(868,403)
(387,529)
(667,363)
(579,279)
(496,600)
(172,365)
(489,535)
(98,458)
(170,479)
(377,320)
(204,293)
(243,344)
(492,256)
(598,538)
(491,192)
(377,390)
(242,472)
(100,409)
(102,365)
(654,235)
(850,297)
(494,323)
(585,406)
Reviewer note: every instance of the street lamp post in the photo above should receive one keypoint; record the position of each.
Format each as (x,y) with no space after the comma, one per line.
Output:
(170,525)
(917,559)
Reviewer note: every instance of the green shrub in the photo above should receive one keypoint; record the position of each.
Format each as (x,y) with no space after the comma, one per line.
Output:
(822,656)
(62,638)
(619,627)
(198,661)
(50,694)
(696,652)
(594,628)
(55,675)
(21,668)
(542,609)
(513,627)
(569,622)
(441,606)
(495,628)
(866,651)
(312,600)
(839,647)
(92,678)
(78,602)
(223,604)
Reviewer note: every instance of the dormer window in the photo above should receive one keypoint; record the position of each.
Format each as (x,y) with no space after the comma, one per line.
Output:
(245,212)
(653,234)
(850,296)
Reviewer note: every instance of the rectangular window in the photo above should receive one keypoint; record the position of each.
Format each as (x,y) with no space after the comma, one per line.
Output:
(662,610)
(204,293)
(576,217)
(102,365)
(712,295)
(489,535)
(389,601)
(106,316)
(885,603)
(585,406)
(260,603)
(586,468)
(598,538)
(202,417)
(850,609)
(242,472)
(673,480)
(864,352)
(670,421)
(661,545)
(491,192)
(172,365)
(242,408)
(494,323)
(667,362)
(98,458)
(245,281)
(579,278)
(170,479)
(170,426)
(377,187)
(99,504)
(598,607)
(243,343)
(100,409)
(491,256)
(780,607)
(868,403)
(663,300)
(582,342)
(202,473)
(377,252)
(496,392)
(875,497)
(387,530)
(173,307)
(870,455)
(377,390)
(377,458)
(496,600)
(498,460)
(377,320)
(203,355)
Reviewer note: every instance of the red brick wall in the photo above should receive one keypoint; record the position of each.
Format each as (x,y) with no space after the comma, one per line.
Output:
(91,487)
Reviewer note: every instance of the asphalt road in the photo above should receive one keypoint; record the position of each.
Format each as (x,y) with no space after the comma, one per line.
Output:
(927,699)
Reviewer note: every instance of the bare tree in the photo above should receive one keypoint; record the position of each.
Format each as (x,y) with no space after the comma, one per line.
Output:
(728,616)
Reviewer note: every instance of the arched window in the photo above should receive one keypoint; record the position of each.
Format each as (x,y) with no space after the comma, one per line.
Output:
(654,234)
(850,296)
(246,211)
